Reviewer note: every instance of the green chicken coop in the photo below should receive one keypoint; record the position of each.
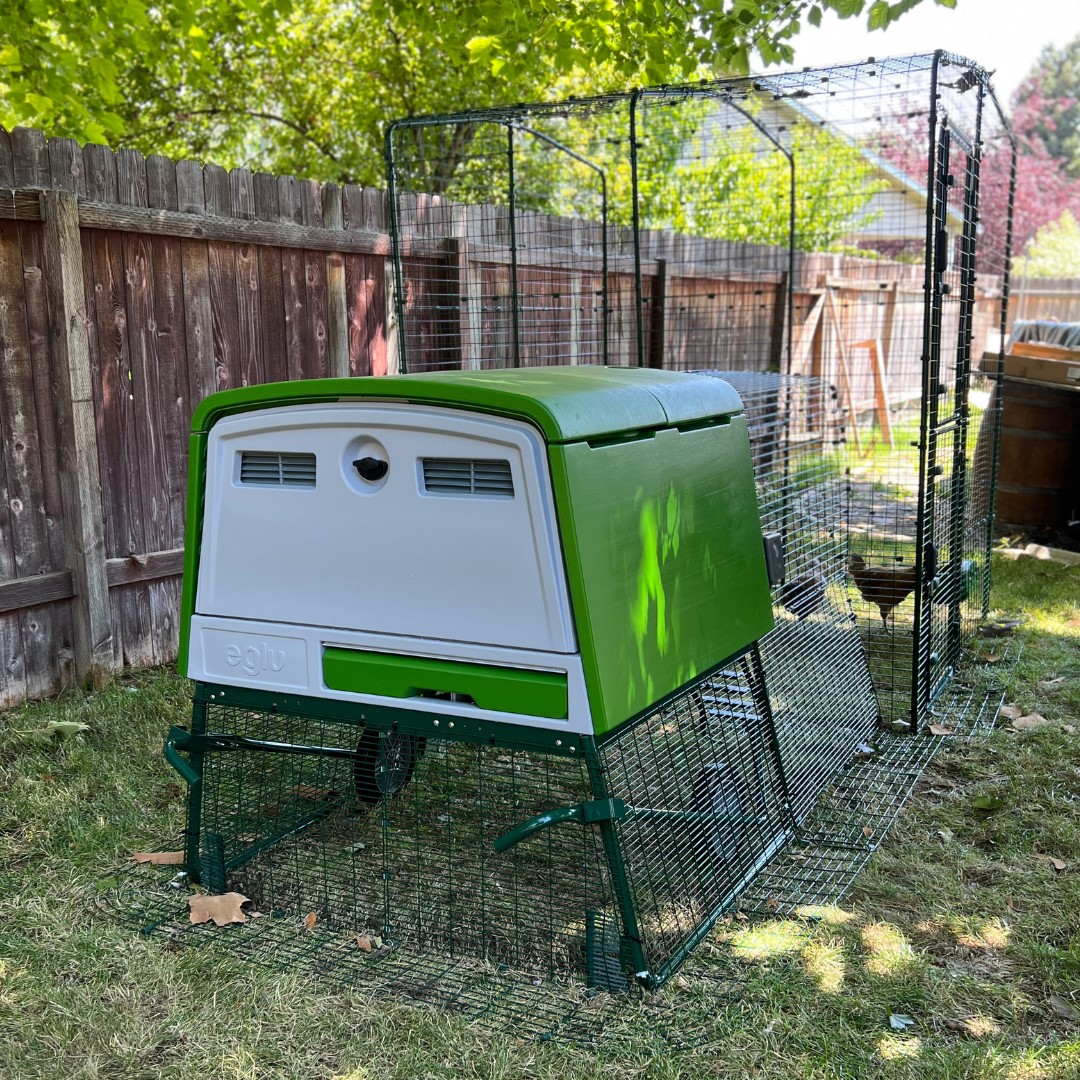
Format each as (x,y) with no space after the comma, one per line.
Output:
(496,630)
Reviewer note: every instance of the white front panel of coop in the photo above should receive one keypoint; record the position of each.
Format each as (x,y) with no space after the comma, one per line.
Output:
(386,518)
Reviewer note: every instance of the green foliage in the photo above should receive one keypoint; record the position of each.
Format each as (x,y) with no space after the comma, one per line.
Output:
(704,169)
(307,86)
(1055,251)
(71,69)
(747,184)
(1052,94)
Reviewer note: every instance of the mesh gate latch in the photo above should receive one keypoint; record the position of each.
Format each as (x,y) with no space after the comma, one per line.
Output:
(587,813)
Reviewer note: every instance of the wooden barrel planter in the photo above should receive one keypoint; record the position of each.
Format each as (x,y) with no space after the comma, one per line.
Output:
(1039,462)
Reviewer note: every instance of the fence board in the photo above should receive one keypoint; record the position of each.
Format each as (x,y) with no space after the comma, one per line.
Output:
(172,407)
(14,373)
(144,474)
(249,368)
(292,280)
(271,297)
(39,543)
(316,346)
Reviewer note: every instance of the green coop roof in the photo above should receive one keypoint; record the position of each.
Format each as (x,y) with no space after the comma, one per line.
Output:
(566,403)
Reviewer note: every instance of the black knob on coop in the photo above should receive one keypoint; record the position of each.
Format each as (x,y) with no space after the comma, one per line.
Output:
(371,468)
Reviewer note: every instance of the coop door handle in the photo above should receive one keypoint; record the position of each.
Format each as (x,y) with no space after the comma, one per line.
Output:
(586,812)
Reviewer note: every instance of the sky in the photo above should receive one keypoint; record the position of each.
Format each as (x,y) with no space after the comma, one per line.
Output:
(1003,36)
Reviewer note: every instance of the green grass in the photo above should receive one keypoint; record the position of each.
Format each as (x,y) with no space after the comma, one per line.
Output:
(957,924)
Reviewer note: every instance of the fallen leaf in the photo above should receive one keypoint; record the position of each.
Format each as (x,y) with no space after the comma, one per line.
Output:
(1046,684)
(52,731)
(1069,729)
(223,909)
(1057,864)
(940,729)
(989,658)
(987,802)
(1031,721)
(378,942)
(65,727)
(312,794)
(867,831)
(1011,712)
(900,1022)
(945,834)
(1063,1008)
(311,920)
(159,858)
(363,943)
(773,902)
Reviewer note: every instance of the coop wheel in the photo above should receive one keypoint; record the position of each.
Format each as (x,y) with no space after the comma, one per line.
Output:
(383,764)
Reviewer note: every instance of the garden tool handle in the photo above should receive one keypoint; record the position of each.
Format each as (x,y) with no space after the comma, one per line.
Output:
(586,812)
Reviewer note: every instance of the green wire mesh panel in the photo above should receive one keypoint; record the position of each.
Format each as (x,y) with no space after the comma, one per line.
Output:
(295,815)
(822,691)
(822,223)
(307,833)
(707,809)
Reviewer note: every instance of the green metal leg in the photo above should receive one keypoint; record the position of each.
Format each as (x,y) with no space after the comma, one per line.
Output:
(630,950)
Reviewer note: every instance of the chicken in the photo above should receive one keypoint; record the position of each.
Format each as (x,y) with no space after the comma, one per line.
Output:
(886,586)
(804,594)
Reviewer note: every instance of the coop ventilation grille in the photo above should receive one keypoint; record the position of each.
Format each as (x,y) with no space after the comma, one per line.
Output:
(262,469)
(467,476)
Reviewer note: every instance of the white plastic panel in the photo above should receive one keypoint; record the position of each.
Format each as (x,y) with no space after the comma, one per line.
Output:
(270,656)
(382,555)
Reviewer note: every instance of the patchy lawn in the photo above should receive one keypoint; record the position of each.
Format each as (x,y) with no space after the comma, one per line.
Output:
(966,924)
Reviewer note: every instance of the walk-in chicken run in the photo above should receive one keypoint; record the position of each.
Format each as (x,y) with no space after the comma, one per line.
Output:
(540,659)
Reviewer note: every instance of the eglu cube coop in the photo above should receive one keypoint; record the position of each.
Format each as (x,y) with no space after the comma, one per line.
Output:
(492,588)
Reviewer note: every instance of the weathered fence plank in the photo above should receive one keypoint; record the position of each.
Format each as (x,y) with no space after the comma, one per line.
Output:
(79,467)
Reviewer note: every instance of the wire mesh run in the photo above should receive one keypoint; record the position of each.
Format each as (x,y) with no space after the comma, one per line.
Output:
(824,223)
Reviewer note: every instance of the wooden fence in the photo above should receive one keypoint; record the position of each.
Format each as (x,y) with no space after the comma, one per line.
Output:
(131,287)
(1045,298)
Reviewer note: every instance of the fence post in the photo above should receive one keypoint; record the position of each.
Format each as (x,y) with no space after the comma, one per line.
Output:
(337,307)
(657,313)
(84,534)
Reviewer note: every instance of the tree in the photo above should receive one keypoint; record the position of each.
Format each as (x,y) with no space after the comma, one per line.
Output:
(1051,97)
(1055,251)
(76,69)
(307,85)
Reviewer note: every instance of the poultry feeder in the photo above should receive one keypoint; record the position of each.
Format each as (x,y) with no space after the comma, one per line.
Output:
(476,666)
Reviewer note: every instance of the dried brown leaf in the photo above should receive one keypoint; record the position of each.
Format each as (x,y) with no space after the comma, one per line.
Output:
(772,902)
(1064,1008)
(310,920)
(312,794)
(159,858)
(1010,712)
(223,909)
(1031,721)
(867,831)
(1048,684)
(363,943)
(990,658)
(940,729)
(1057,864)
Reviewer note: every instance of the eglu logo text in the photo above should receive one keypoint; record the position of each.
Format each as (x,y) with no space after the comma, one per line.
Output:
(255,659)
